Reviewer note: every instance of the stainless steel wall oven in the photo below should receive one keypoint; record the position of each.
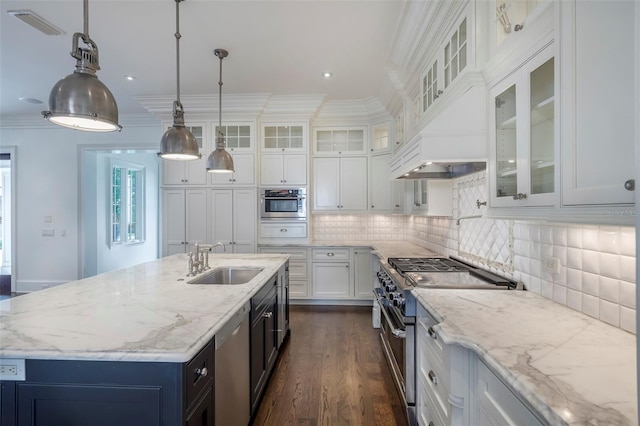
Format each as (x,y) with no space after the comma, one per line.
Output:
(283,203)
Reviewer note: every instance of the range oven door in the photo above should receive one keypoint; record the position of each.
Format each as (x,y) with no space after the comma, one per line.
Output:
(393,334)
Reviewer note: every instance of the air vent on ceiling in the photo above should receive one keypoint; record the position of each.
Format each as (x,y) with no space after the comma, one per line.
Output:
(36,21)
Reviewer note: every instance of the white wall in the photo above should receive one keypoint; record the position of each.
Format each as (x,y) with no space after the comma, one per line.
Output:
(47,184)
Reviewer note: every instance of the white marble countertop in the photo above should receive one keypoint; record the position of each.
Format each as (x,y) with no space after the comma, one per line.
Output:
(146,312)
(571,368)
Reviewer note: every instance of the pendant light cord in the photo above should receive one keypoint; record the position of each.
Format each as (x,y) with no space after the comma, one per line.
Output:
(220,97)
(178,48)
(85,10)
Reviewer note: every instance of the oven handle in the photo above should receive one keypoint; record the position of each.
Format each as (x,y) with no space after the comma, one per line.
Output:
(397,332)
(282,198)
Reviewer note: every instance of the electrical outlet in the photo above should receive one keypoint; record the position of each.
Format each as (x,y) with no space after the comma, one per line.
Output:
(12,369)
(48,232)
(552,264)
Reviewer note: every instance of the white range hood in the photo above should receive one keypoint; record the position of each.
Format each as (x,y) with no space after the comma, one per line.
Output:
(454,143)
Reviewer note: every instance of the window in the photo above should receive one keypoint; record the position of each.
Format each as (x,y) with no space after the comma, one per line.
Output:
(127,203)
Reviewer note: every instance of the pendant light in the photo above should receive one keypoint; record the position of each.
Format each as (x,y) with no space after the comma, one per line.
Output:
(80,101)
(178,143)
(220,161)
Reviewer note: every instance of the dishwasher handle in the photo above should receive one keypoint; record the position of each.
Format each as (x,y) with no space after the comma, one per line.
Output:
(232,326)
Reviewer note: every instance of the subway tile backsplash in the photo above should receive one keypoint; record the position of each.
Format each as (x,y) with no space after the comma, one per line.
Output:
(595,271)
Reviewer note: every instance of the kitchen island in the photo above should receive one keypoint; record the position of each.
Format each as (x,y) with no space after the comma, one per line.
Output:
(568,368)
(132,337)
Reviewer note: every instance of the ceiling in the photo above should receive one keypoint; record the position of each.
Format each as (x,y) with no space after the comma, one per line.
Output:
(275,47)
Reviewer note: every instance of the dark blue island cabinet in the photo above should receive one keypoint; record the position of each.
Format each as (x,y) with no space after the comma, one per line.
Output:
(109,393)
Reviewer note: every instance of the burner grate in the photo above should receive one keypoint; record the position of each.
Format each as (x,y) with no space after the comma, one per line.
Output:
(426,264)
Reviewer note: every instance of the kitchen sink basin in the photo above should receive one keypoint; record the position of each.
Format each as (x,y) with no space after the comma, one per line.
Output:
(227,276)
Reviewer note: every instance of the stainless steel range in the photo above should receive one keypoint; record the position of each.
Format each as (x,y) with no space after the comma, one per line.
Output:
(397,277)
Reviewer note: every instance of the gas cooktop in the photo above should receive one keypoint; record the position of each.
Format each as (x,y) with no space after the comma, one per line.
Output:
(426,264)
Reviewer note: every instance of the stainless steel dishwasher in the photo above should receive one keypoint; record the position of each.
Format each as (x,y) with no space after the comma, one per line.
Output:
(232,382)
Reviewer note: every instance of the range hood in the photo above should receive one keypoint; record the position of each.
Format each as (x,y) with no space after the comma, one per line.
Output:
(444,170)
(452,144)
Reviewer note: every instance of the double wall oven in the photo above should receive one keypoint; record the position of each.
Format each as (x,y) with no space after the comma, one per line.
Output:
(396,278)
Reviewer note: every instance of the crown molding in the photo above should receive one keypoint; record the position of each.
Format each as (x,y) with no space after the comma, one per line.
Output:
(349,111)
(293,107)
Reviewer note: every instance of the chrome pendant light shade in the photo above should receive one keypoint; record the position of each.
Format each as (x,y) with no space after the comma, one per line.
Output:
(178,143)
(80,101)
(220,161)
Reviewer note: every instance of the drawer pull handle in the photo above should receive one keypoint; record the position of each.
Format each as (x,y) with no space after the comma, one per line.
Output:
(432,333)
(201,372)
(284,230)
(267,315)
(431,424)
(330,254)
(433,378)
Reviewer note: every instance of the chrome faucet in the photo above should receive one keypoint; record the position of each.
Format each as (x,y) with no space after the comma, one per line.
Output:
(219,243)
(198,259)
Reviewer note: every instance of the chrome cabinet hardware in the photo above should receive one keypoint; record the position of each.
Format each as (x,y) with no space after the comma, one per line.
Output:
(520,196)
(437,95)
(331,254)
(432,333)
(478,203)
(432,377)
(267,315)
(630,185)
(201,372)
(284,230)
(518,27)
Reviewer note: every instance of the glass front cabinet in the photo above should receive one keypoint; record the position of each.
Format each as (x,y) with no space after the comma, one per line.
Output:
(523,130)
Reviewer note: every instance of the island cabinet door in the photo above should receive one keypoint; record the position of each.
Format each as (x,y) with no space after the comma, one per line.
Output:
(96,393)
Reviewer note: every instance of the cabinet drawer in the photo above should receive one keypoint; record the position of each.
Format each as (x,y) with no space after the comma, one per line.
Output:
(424,327)
(498,403)
(434,380)
(330,254)
(283,230)
(298,289)
(429,414)
(199,373)
(298,271)
(296,253)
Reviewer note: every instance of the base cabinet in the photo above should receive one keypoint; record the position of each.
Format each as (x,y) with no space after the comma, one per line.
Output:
(264,338)
(107,393)
(331,273)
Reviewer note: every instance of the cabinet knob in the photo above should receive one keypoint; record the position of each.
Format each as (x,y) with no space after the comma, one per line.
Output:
(437,95)
(397,205)
(372,206)
(432,377)
(432,333)
(520,196)
(518,27)
(331,254)
(201,372)
(630,185)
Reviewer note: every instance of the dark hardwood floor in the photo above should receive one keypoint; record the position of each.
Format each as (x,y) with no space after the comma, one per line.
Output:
(332,372)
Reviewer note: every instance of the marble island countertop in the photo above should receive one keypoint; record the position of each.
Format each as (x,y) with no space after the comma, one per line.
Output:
(146,312)
(571,368)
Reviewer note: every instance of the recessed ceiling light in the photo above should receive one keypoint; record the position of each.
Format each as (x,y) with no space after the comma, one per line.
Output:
(30,100)
(327,74)
(129,77)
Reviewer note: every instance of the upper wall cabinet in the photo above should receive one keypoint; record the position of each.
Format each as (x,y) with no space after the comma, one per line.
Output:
(245,171)
(380,138)
(238,136)
(284,137)
(597,109)
(192,172)
(399,131)
(340,141)
(523,132)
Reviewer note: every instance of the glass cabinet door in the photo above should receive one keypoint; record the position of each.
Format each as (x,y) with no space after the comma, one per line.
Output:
(506,143)
(541,136)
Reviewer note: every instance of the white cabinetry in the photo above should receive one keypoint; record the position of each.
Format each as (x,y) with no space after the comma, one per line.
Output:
(338,140)
(363,273)
(597,103)
(340,183)
(233,218)
(184,219)
(245,171)
(522,165)
(331,273)
(496,404)
(380,187)
(298,269)
(282,230)
(283,169)
(191,172)
(442,377)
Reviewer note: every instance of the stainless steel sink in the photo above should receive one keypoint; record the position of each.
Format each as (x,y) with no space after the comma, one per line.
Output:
(228,276)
